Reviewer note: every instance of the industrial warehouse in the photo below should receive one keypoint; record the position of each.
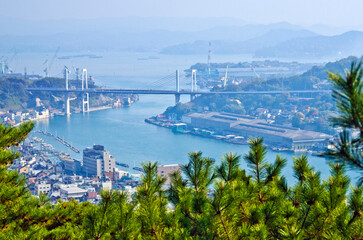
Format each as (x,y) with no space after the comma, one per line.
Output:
(247,126)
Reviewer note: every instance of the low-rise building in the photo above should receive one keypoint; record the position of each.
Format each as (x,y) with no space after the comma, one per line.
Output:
(72,191)
(43,188)
(107,186)
(24,170)
(118,173)
(165,170)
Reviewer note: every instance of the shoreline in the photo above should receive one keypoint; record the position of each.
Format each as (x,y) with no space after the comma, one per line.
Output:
(218,137)
(227,138)
(94,109)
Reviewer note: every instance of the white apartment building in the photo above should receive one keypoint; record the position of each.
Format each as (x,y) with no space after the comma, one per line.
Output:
(97,161)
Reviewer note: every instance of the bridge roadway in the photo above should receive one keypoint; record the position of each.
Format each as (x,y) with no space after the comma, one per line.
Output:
(165,92)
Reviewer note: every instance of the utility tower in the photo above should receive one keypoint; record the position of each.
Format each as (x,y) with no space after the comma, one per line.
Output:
(209,57)
(49,64)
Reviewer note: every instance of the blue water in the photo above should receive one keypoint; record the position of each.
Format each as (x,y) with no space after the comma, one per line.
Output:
(125,134)
(123,131)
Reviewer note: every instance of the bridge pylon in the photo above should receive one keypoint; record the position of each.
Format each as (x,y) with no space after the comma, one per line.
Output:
(85,96)
(194,84)
(68,101)
(177,89)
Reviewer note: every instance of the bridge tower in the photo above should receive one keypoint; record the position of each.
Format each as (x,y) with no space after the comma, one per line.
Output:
(68,100)
(177,95)
(194,84)
(85,96)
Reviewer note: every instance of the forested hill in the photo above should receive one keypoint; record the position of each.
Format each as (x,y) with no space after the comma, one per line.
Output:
(315,78)
(13,94)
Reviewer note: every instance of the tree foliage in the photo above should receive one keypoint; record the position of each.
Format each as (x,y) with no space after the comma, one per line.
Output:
(203,201)
(348,96)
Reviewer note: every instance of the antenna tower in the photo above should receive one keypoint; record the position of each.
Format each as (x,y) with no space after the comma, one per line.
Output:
(209,56)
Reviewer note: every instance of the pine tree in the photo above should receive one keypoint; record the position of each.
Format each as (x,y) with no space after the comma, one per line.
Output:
(151,198)
(193,201)
(348,95)
(203,202)
(124,227)
(18,208)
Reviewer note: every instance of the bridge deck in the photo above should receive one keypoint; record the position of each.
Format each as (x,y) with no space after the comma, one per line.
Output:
(172,92)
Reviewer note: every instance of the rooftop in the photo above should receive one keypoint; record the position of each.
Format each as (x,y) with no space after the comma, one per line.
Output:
(251,124)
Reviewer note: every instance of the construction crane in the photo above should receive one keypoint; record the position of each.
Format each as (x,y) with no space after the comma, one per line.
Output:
(49,64)
(256,74)
(258,78)
(4,64)
(76,72)
(13,56)
(224,79)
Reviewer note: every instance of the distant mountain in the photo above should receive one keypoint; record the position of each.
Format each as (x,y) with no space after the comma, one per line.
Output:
(113,38)
(243,33)
(328,30)
(349,43)
(268,39)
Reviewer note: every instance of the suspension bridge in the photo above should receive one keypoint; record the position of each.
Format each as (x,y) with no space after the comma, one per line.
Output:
(168,85)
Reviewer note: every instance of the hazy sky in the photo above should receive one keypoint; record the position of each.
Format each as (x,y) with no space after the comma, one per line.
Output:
(307,12)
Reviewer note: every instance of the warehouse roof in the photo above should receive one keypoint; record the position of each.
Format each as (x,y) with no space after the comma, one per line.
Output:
(243,123)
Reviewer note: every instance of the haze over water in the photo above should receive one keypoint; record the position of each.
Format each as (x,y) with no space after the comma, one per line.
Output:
(123,131)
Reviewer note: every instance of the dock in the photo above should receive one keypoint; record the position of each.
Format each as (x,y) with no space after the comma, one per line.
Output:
(58,139)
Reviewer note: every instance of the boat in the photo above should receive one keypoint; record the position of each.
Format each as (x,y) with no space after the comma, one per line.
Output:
(95,56)
(138,169)
(122,164)
(277,149)
(147,58)
(180,128)
(318,153)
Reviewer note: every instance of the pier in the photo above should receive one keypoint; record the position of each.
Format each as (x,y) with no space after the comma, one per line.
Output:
(58,139)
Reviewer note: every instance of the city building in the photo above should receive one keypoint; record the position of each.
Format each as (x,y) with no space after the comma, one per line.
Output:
(165,170)
(107,186)
(247,126)
(24,170)
(43,188)
(72,191)
(71,166)
(97,161)
(118,173)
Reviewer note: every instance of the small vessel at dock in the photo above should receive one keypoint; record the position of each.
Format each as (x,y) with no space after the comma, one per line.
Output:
(138,169)
(122,164)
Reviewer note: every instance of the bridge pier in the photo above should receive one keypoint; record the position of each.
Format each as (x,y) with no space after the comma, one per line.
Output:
(68,104)
(177,98)
(192,96)
(85,96)
(85,102)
